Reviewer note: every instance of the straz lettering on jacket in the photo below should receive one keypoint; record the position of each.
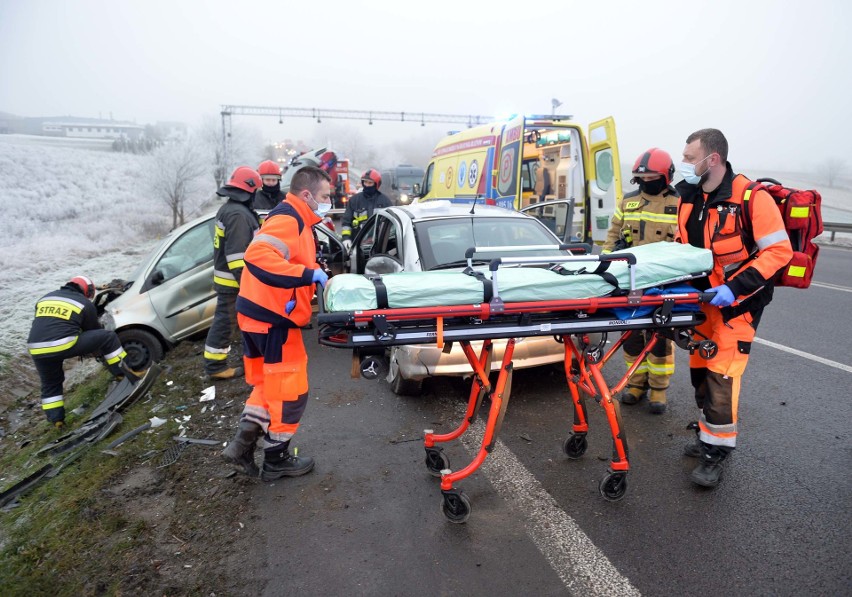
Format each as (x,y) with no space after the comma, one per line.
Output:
(54,308)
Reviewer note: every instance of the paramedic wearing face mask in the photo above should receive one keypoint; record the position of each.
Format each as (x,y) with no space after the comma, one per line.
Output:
(362,205)
(274,303)
(744,263)
(647,215)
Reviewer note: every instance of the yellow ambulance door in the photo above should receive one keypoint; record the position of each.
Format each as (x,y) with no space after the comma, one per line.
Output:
(509,163)
(603,180)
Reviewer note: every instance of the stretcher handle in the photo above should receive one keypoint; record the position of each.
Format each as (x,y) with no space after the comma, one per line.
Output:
(706,297)
(320,299)
(468,254)
(630,258)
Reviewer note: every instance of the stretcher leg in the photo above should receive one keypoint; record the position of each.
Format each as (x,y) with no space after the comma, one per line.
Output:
(576,443)
(614,484)
(436,460)
(455,506)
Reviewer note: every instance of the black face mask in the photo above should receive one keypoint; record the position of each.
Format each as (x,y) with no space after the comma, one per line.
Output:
(273,190)
(371,191)
(652,187)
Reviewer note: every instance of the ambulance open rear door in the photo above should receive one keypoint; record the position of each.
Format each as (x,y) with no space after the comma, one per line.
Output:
(603,180)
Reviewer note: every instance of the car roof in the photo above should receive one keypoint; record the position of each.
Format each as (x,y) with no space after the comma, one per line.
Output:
(437,209)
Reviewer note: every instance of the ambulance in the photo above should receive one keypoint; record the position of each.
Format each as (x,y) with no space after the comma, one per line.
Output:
(544,165)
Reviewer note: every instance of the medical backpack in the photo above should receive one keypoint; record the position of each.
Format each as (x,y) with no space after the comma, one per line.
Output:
(801,211)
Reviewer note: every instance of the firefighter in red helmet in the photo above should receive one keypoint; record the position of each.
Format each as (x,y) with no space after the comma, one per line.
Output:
(66,325)
(236,225)
(647,215)
(362,205)
(269,195)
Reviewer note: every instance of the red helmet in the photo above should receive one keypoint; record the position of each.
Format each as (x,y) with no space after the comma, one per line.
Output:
(374,176)
(655,161)
(269,168)
(246,179)
(85,284)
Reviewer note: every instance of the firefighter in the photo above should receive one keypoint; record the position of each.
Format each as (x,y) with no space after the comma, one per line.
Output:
(362,205)
(270,193)
(744,264)
(647,215)
(236,225)
(273,305)
(66,325)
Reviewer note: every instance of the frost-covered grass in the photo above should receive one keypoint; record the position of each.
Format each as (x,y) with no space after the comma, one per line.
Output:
(69,211)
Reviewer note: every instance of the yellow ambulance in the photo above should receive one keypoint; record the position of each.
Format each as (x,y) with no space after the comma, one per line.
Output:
(544,164)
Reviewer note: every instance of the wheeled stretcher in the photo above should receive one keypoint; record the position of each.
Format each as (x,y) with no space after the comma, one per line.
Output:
(581,325)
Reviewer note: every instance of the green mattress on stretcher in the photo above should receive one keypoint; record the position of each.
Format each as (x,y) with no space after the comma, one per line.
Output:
(656,264)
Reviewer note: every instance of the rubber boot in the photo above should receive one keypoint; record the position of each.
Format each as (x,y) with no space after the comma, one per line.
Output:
(693,448)
(240,450)
(657,400)
(229,373)
(633,395)
(708,473)
(278,462)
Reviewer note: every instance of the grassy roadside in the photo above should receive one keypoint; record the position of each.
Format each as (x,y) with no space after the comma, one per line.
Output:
(120,524)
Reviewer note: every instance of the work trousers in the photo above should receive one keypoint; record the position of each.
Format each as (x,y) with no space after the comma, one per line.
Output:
(276,365)
(100,343)
(218,343)
(658,366)
(717,381)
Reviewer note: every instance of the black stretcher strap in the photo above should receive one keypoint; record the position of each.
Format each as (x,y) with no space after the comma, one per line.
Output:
(487,286)
(600,270)
(381,292)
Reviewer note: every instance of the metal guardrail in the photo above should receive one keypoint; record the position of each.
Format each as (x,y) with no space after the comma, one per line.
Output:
(835,227)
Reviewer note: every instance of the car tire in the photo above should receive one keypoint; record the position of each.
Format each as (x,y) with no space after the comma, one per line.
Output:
(143,348)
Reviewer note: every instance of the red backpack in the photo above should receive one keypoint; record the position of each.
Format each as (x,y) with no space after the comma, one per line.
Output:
(801,211)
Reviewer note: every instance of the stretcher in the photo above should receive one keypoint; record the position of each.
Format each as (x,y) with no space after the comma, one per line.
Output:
(581,325)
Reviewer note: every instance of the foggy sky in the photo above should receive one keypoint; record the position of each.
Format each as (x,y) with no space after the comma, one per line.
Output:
(774,76)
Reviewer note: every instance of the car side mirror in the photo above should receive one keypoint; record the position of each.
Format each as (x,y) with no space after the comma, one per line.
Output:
(157,278)
(415,190)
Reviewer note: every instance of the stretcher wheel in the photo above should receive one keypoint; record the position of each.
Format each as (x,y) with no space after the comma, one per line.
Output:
(575,446)
(456,506)
(660,317)
(613,486)
(707,349)
(436,461)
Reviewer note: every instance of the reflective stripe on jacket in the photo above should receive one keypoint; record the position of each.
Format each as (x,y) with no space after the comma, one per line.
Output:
(60,316)
(280,264)
(236,225)
(731,245)
(650,218)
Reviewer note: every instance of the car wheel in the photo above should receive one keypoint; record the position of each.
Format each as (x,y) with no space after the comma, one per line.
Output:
(404,387)
(143,348)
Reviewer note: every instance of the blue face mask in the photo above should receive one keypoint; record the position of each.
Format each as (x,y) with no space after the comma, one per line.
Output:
(688,172)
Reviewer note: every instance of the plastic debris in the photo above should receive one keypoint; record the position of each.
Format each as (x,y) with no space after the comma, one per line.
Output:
(208,394)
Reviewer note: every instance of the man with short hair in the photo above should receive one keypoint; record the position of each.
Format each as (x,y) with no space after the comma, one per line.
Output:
(747,254)
(273,305)
(362,205)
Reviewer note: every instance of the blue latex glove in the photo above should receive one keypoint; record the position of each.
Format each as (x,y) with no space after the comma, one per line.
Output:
(288,308)
(724,297)
(319,276)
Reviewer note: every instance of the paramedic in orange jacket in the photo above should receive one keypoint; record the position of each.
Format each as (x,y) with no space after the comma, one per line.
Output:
(274,303)
(744,264)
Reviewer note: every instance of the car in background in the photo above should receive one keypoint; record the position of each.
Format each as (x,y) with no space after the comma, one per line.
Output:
(434,235)
(170,296)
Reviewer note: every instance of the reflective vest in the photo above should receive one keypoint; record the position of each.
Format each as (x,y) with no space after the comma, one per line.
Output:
(643,218)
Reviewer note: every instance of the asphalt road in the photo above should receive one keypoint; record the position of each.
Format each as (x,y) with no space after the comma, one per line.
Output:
(368,520)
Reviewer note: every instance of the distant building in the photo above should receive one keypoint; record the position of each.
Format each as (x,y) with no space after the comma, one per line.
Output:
(70,126)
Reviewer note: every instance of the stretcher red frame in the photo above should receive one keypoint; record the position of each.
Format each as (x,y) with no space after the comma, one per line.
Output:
(364,331)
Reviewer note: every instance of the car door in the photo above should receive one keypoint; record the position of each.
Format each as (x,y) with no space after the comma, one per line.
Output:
(603,178)
(331,249)
(180,284)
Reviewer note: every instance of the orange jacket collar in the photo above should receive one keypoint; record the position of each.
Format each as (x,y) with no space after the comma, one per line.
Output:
(307,214)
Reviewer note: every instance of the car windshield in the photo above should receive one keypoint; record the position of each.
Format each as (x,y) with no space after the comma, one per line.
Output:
(443,243)
(407,182)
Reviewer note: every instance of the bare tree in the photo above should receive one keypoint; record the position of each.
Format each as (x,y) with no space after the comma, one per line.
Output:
(831,170)
(176,178)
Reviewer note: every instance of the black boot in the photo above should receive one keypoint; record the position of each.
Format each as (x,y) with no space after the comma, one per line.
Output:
(693,448)
(278,462)
(240,450)
(709,471)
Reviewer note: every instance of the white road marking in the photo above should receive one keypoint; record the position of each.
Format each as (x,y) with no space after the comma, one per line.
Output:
(805,355)
(581,566)
(831,286)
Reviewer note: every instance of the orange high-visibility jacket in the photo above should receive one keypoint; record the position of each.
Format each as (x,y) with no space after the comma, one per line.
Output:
(280,262)
(730,243)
